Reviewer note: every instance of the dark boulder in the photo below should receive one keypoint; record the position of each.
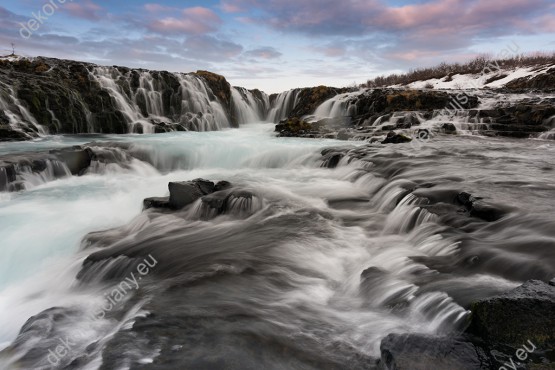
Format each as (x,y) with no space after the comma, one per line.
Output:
(156,202)
(222,185)
(482,209)
(7,134)
(395,138)
(205,186)
(513,318)
(184,193)
(422,352)
(448,128)
(76,159)
(331,160)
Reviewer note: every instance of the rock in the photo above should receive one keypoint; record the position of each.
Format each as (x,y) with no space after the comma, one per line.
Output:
(183,193)
(513,318)
(76,159)
(448,128)
(216,202)
(156,202)
(293,127)
(487,212)
(481,209)
(552,282)
(422,352)
(395,138)
(331,160)
(222,185)
(205,186)
(7,134)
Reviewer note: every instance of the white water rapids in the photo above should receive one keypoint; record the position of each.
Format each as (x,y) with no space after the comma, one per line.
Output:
(288,273)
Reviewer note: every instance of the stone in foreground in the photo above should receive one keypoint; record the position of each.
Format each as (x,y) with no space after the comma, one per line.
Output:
(422,352)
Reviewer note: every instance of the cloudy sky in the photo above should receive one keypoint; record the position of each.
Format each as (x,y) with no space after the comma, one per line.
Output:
(275,45)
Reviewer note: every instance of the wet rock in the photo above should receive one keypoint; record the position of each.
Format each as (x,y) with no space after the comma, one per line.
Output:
(205,186)
(7,134)
(156,202)
(513,318)
(216,202)
(76,159)
(481,209)
(293,127)
(448,128)
(184,193)
(395,138)
(422,352)
(187,192)
(222,185)
(332,159)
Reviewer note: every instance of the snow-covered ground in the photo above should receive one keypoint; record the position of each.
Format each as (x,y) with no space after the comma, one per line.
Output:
(480,81)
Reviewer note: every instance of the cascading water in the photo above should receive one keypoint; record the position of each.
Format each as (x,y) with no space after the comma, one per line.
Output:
(86,98)
(199,110)
(336,107)
(283,105)
(19,117)
(297,266)
(108,78)
(247,107)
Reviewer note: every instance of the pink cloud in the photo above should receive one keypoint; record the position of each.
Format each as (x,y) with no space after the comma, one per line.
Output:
(195,21)
(230,8)
(84,9)
(158,8)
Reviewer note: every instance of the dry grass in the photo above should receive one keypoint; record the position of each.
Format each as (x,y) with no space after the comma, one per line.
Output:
(478,65)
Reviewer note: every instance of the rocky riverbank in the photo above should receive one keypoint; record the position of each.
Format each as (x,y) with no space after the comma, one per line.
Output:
(372,114)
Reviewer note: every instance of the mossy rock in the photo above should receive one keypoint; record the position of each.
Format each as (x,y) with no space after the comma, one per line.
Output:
(293,125)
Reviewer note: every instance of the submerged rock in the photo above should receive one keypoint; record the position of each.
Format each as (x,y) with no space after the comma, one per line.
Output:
(395,138)
(481,209)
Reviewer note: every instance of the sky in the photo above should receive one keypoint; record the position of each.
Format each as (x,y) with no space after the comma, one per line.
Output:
(276,45)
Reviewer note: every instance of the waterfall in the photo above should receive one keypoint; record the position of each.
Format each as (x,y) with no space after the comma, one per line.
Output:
(19,117)
(198,111)
(113,81)
(194,105)
(283,105)
(335,107)
(246,108)
(98,99)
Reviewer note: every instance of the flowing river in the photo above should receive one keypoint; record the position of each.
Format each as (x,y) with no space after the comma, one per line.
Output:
(309,271)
